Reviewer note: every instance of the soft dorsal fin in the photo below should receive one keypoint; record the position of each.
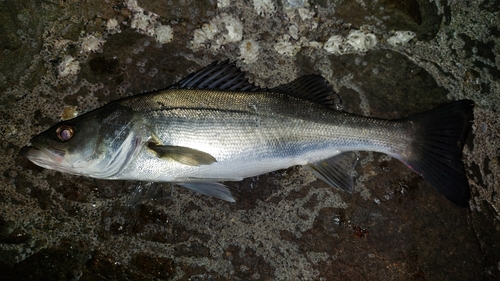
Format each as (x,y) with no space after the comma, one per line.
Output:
(313,88)
(220,76)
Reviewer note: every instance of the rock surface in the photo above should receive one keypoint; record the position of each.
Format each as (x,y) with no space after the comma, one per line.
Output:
(61,58)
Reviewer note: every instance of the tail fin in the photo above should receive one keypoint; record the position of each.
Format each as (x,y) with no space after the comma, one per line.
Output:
(437,154)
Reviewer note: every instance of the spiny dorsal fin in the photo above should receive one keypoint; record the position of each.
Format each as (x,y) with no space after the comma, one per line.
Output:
(313,88)
(220,76)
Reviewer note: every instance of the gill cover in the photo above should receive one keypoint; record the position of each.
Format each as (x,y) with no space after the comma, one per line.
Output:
(97,144)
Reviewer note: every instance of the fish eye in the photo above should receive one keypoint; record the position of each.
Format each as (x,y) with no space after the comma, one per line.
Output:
(65,132)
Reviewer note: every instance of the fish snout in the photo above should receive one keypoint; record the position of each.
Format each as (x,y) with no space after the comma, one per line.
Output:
(27,151)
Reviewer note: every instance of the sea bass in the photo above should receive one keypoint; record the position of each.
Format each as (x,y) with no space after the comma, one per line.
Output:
(215,126)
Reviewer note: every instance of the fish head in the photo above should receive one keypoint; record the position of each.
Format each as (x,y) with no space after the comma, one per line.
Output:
(97,144)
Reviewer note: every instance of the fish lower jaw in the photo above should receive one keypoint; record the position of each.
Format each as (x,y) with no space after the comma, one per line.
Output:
(41,157)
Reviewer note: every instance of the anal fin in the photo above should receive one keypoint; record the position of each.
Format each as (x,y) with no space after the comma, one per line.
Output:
(337,170)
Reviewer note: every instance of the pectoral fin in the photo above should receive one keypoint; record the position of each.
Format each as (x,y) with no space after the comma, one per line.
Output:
(185,155)
(337,170)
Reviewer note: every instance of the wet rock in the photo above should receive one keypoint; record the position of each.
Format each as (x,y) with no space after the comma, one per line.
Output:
(285,225)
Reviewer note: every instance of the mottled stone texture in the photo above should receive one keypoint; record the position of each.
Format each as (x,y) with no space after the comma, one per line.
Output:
(285,225)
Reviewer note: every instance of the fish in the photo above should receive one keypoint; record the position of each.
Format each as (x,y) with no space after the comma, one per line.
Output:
(215,126)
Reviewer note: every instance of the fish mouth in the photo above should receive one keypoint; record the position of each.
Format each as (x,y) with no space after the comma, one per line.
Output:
(27,151)
(45,157)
